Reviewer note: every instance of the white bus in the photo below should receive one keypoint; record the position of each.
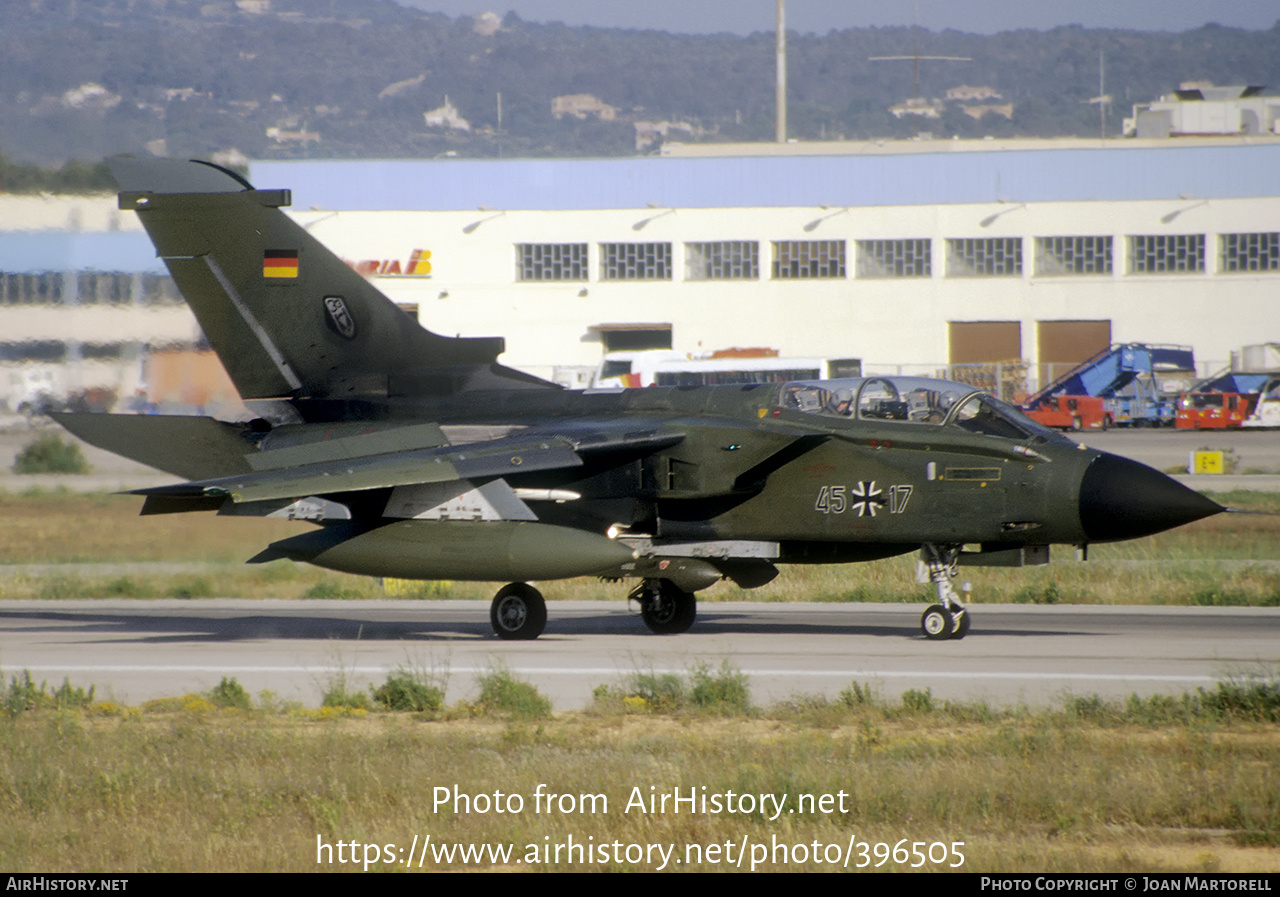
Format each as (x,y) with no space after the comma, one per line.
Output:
(663,367)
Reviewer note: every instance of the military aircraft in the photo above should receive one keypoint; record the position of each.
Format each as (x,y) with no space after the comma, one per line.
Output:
(419,456)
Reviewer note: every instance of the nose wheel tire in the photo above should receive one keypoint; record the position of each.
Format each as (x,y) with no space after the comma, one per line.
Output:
(936,623)
(939,624)
(518,612)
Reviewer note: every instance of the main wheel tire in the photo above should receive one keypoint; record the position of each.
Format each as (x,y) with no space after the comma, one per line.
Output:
(518,612)
(668,609)
(936,623)
(960,624)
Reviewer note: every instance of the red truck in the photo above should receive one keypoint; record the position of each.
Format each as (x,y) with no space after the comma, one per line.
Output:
(1072,413)
(1214,410)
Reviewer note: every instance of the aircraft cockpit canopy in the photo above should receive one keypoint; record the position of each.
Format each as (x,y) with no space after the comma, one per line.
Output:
(910,400)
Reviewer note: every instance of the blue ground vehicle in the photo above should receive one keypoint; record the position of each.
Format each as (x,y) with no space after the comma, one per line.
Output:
(1117,387)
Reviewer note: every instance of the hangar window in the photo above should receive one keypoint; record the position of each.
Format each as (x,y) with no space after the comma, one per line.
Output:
(102,351)
(894,258)
(87,289)
(31,289)
(551,261)
(807,259)
(988,257)
(1057,256)
(158,289)
(1166,254)
(112,289)
(1249,252)
(727,260)
(46,351)
(631,338)
(635,261)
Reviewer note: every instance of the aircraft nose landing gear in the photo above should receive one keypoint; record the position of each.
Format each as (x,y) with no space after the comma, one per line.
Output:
(665,608)
(518,612)
(949,618)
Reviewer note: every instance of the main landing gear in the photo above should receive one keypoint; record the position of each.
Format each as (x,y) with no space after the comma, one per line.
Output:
(665,608)
(518,612)
(949,618)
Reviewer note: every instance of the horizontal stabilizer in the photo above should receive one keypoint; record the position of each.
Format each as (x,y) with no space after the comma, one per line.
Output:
(180,504)
(191,447)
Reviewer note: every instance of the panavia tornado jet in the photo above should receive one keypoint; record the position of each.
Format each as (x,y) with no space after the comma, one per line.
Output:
(420,456)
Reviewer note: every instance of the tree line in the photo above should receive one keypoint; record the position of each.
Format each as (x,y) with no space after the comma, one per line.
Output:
(347,78)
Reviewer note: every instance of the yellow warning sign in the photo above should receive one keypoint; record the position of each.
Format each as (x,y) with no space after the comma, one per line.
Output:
(1206,462)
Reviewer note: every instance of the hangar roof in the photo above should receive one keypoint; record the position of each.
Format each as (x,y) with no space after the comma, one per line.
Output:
(1072,174)
(33,252)
(877,176)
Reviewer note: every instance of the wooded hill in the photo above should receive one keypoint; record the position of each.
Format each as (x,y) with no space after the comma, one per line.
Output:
(83,79)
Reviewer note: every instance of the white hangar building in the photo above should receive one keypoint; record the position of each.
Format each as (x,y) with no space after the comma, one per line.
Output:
(1012,256)
(906,256)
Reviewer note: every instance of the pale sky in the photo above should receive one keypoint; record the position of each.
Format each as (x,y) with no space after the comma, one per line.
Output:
(820,16)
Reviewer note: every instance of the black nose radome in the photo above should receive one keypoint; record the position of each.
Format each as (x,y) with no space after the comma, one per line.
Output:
(1122,499)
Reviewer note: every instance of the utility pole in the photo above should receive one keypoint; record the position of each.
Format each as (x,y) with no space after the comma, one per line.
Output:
(1102,94)
(915,58)
(780,131)
(1102,99)
(915,99)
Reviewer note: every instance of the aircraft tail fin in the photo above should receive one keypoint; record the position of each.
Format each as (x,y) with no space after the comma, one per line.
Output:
(288,318)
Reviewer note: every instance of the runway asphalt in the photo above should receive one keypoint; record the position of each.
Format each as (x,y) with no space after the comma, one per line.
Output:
(1014,654)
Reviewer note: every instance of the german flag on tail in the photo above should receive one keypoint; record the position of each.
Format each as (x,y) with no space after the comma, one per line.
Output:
(280,263)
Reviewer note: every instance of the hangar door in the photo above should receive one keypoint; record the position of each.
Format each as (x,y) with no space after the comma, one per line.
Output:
(1061,345)
(988,354)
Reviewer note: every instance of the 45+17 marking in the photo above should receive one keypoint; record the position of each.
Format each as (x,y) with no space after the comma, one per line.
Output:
(866,498)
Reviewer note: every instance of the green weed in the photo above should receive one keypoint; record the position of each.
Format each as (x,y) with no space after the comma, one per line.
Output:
(230,693)
(24,695)
(502,694)
(340,695)
(723,692)
(1046,594)
(1251,697)
(918,701)
(856,695)
(49,454)
(197,587)
(407,690)
(329,589)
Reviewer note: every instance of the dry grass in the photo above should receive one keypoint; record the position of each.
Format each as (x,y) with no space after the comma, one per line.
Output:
(66,527)
(199,789)
(1224,560)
